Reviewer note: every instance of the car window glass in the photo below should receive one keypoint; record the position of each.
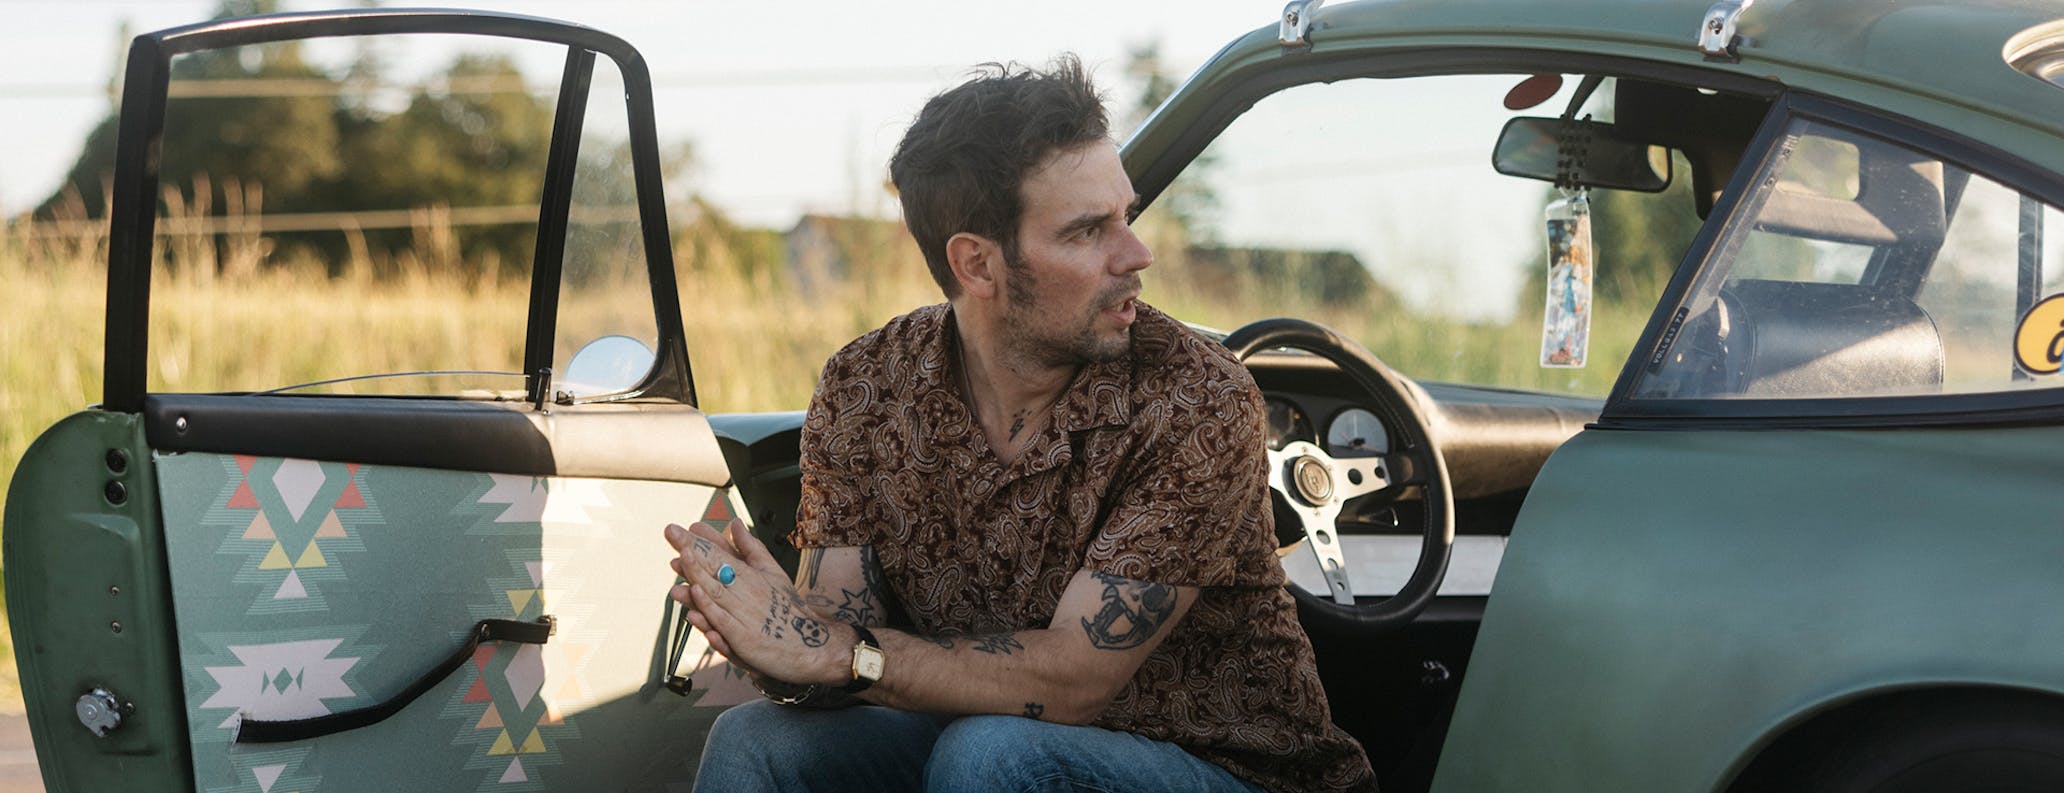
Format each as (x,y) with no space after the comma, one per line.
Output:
(1766,255)
(1370,205)
(604,289)
(362,209)
(1915,281)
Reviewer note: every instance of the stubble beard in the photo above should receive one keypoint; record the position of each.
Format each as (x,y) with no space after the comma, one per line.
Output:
(1028,339)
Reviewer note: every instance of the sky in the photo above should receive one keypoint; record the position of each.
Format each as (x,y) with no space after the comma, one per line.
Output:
(790,107)
(793,108)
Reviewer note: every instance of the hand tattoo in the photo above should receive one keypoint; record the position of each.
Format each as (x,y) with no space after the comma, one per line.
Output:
(783,616)
(1034,710)
(703,545)
(1132,613)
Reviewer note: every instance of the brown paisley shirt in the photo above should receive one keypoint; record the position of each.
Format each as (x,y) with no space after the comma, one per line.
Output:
(1150,469)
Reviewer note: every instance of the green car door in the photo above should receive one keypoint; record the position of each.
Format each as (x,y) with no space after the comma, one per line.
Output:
(443,572)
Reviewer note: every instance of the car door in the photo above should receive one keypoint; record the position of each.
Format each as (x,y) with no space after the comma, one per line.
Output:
(396,561)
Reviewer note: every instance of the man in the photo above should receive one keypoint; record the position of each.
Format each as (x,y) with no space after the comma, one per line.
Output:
(1035,528)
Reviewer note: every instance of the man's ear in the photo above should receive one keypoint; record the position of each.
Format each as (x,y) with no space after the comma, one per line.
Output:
(977,263)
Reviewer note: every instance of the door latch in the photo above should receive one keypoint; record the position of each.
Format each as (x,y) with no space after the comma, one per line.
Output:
(101,711)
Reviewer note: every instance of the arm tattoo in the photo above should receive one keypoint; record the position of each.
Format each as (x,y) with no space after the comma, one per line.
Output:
(858,608)
(1034,710)
(941,640)
(1133,612)
(867,605)
(784,615)
(997,643)
(806,568)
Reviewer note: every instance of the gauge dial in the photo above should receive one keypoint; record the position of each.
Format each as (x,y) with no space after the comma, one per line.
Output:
(1286,423)
(1355,432)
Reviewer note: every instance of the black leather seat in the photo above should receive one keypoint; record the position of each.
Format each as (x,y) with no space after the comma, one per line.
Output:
(1796,339)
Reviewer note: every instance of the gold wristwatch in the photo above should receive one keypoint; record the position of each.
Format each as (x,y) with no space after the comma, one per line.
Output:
(868,661)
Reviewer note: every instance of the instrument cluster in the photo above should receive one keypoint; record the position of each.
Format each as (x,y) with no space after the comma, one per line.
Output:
(1350,429)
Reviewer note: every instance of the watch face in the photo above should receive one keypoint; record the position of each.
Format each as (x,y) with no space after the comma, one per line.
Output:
(867,662)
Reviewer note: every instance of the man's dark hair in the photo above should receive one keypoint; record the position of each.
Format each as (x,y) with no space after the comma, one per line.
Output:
(961,163)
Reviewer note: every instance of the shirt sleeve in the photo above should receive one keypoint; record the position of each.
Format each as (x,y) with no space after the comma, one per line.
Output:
(834,454)
(1194,510)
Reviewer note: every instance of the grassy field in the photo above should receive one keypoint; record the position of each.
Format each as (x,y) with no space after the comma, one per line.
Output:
(756,338)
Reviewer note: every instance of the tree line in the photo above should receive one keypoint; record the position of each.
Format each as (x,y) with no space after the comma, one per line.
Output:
(326,146)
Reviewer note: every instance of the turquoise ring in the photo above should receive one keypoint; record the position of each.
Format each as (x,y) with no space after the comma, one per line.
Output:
(726,575)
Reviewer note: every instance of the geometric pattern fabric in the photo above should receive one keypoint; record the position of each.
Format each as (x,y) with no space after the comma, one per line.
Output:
(305,587)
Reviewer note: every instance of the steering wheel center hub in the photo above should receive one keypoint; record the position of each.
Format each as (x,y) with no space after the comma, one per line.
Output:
(1314,481)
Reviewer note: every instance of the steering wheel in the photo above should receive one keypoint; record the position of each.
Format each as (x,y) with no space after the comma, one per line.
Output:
(1317,485)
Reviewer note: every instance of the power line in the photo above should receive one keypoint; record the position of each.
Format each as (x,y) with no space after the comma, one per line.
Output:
(285,222)
(487,84)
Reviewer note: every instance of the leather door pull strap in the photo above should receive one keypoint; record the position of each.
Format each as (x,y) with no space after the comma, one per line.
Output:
(255,731)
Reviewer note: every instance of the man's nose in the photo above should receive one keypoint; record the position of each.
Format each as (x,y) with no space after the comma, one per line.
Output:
(1132,255)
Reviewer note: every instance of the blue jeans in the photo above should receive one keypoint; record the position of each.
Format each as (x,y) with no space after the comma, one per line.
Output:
(761,746)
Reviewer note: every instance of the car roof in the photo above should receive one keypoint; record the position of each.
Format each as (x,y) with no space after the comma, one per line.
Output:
(1942,62)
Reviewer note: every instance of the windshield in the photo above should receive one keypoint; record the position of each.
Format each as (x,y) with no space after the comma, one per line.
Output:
(1371,206)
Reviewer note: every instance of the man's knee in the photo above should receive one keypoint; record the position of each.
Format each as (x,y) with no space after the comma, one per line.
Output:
(744,739)
(999,753)
(1006,753)
(761,745)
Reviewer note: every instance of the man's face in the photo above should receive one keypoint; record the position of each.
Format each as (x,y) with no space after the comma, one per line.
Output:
(1069,290)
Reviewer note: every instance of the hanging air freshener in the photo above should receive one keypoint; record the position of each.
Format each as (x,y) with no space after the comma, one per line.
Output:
(1566,325)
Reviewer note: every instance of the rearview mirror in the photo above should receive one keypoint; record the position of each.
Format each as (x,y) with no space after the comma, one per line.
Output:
(1534,147)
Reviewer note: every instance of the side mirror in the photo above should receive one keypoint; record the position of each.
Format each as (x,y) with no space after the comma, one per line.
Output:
(606,366)
(1535,147)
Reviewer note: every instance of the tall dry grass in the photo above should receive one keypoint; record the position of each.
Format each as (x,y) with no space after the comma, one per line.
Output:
(757,331)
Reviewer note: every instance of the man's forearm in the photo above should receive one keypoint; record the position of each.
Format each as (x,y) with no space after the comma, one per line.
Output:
(1066,672)
(1036,673)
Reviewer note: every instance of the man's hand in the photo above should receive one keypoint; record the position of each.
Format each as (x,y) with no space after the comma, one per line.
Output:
(760,621)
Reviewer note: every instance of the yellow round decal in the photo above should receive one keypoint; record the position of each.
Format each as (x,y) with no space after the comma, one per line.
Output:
(2039,342)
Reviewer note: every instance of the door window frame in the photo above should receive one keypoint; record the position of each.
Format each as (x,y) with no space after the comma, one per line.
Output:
(1623,410)
(133,216)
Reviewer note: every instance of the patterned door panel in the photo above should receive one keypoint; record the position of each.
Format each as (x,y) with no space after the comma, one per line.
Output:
(303,588)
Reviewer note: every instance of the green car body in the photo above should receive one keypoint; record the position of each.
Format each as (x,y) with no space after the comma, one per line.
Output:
(1736,579)
(1684,596)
